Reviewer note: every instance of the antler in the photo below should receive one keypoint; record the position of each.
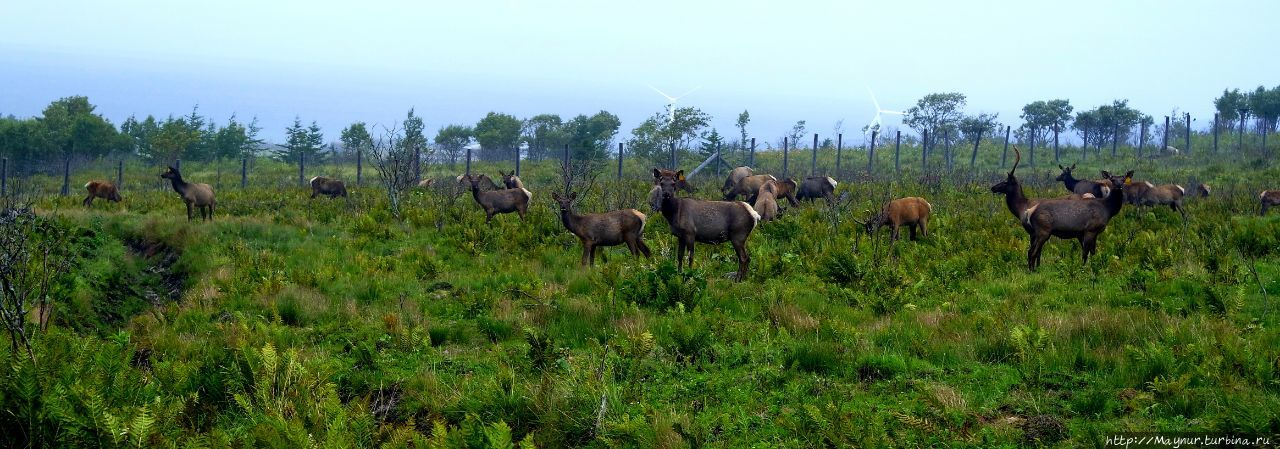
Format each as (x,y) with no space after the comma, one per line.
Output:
(1017,157)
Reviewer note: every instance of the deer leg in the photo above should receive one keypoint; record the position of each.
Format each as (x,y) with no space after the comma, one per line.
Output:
(604,254)
(744,258)
(1033,254)
(643,248)
(588,258)
(689,247)
(912,229)
(189,212)
(924,228)
(680,254)
(87,200)
(894,235)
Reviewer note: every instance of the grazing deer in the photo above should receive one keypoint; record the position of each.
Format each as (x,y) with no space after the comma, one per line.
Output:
(910,211)
(1203,190)
(511,180)
(101,189)
(498,201)
(425,183)
(713,222)
(1162,195)
(608,229)
(332,188)
(1099,189)
(735,176)
(815,187)
(1268,198)
(747,186)
(785,188)
(1135,191)
(766,203)
(1083,219)
(198,195)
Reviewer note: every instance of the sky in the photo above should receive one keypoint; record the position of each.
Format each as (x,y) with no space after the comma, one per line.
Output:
(453,62)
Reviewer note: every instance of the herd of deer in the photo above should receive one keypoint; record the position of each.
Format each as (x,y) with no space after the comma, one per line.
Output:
(1082,215)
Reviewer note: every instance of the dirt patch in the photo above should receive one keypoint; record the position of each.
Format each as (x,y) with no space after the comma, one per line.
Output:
(164,282)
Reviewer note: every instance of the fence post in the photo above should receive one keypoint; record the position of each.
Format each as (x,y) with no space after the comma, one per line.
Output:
(360,166)
(468,162)
(897,153)
(244,173)
(417,164)
(1187,141)
(871,152)
(924,151)
(1004,157)
(1240,139)
(1031,149)
(784,157)
(1215,132)
(120,174)
(619,161)
(973,158)
(567,178)
(302,167)
(1142,139)
(813,165)
(719,161)
(1056,149)
(1115,140)
(946,148)
(1084,147)
(752,159)
(517,159)
(673,155)
(1165,143)
(4,177)
(66,176)
(839,149)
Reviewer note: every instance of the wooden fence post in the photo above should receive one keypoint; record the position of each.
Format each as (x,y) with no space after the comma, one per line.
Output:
(468,162)
(302,167)
(1056,148)
(924,151)
(120,174)
(1215,132)
(66,176)
(871,153)
(973,158)
(1187,141)
(897,153)
(839,149)
(1165,142)
(752,159)
(619,161)
(784,157)
(244,173)
(360,166)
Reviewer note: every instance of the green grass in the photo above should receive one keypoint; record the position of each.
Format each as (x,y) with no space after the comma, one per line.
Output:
(305,322)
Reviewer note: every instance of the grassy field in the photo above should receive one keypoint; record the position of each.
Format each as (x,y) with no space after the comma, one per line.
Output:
(288,322)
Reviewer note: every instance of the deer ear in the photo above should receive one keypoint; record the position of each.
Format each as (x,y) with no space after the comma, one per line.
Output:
(1073,166)
(1106,174)
(1061,167)
(656,174)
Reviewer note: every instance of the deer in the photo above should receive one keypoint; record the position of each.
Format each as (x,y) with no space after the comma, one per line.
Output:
(681,184)
(815,187)
(911,211)
(1083,219)
(766,202)
(487,183)
(101,189)
(735,176)
(503,201)
(714,222)
(511,180)
(1203,190)
(194,194)
(1017,202)
(607,229)
(426,183)
(1268,198)
(330,187)
(747,186)
(1099,189)
(1162,195)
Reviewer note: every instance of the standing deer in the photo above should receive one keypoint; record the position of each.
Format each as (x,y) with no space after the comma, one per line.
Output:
(198,194)
(692,220)
(747,186)
(465,183)
(766,203)
(101,189)
(681,183)
(608,229)
(1083,219)
(332,188)
(910,211)
(815,187)
(498,201)
(511,180)
(735,176)
(1162,195)
(1016,200)
(1268,198)
(1099,189)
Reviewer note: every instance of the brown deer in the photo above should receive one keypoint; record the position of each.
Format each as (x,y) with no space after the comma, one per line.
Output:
(747,186)
(1203,190)
(498,201)
(608,229)
(910,211)
(735,176)
(681,184)
(101,189)
(692,220)
(332,188)
(426,183)
(1162,195)
(194,194)
(1082,219)
(511,180)
(1268,198)
(486,184)
(1017,202)
(1099,189)
(766,203)
(1135,191)
(815,187)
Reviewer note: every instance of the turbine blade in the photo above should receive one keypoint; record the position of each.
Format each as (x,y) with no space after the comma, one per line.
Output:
(664,94)
(873,98)
(689,92)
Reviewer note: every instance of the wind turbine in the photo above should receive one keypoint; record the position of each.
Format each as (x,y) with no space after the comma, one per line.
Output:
(876,121)
(671,101)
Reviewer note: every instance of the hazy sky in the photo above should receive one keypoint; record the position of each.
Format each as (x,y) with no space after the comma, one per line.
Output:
(784,61)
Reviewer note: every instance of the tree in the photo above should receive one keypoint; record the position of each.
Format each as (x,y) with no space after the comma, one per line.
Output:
(302,142)
(743,119)
(982,124)
(22,140)
(235,140)
(453,139)
(172,140)
(1265,104)
(140,134)
(1042,117)
(591,137)
(711,143)
(544,134)
(655,136)
(414,140)
(1229,105)
(72,128)
(797,132)
(498,135)
(356,138)
(1087,124)
(936,112)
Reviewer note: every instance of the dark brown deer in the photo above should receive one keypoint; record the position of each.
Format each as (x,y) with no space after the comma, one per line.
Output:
(608,229)
(1099,189)
(1017,202)
(747,186)
(332,188)
(194,194)
(1162,195)
(766,203)
(485,184)
(681,183)
(1082,219)
(498,201)
(101,189)
(1134,192)
(511,180)
(1203,190)
(692,220)
(1268,199)
(735,176)
(815,187)
(912,212)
